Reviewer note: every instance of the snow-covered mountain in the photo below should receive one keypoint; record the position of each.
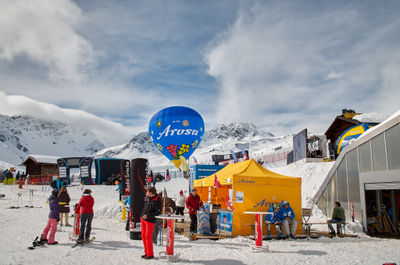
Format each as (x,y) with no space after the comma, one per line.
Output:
(219,140)
(24,135)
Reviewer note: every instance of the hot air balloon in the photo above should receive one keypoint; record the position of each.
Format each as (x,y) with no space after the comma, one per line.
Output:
(350,135)
(176,131)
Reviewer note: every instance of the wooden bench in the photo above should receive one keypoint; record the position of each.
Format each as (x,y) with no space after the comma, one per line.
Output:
(307,227)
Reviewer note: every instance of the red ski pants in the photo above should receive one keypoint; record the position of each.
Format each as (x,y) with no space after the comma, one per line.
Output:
(147,236)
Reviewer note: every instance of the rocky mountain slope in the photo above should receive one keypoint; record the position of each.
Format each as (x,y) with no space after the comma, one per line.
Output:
(24,135)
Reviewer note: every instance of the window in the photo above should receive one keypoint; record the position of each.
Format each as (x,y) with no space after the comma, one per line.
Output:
(378,153)
(393,147)
(364,151)
(354,183)
(341,179)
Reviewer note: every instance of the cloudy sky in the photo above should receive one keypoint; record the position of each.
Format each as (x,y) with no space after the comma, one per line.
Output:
(283,65)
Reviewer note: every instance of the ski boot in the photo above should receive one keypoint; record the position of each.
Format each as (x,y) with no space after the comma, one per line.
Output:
(281,236)
(42,241)
(269,237)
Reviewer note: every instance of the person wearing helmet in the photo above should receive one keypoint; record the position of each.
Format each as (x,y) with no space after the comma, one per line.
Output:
(273,217)
(288,216)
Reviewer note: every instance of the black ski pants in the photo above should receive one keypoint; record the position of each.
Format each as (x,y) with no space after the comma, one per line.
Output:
(179,210)
(193,223)
(86,226)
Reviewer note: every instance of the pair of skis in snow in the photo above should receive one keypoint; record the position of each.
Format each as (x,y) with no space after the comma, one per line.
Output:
(83,243)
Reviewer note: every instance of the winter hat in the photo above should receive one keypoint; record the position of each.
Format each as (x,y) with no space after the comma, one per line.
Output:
(54,192)
(181,192)
(284,203)
(276,206)
(87,191)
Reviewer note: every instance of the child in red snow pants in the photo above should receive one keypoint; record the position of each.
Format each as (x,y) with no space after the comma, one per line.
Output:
(147,237)
(52,227)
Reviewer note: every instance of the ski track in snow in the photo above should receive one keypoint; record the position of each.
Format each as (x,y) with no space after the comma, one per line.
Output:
(19,227)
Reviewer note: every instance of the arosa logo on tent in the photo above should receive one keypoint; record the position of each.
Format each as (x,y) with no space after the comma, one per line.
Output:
(246,181)
(168,132)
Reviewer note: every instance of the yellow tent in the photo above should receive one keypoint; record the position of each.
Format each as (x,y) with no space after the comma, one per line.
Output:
(254,188)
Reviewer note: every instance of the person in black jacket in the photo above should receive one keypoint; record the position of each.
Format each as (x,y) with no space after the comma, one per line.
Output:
(151,208)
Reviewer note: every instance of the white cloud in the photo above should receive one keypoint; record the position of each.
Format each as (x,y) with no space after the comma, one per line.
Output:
(107,131)
(45,31)
(333,75)
(273,65)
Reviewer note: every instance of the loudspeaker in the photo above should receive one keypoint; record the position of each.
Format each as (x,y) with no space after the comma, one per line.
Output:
(137,192)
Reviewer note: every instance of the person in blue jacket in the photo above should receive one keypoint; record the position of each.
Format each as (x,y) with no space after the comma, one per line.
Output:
(127,204)
(287,215)
(273,217)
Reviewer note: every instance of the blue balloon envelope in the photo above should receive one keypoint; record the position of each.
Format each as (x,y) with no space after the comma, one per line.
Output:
(176,131)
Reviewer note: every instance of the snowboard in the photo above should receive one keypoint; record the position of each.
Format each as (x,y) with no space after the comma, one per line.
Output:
(36,243)
(77,244)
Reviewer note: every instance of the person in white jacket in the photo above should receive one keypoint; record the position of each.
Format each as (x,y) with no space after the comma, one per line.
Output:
(180,204)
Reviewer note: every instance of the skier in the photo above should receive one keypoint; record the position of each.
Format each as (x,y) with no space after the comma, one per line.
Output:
(287,215)
(64,199)
(127,204)
(180,204)
(52,221)
(193,203)
(151,208)
(85,207)
(9,177)
(149,180)
(338,217)
(273,217)
(167,176)
(119,189)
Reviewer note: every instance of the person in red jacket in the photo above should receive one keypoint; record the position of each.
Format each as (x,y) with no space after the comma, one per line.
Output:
(85,208)
(193,203)
(151,208)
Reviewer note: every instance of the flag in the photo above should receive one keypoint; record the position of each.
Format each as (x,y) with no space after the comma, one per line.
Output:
(245,157)
(234,156)
(195,160)
(228,202)
(183,163)
(216,182)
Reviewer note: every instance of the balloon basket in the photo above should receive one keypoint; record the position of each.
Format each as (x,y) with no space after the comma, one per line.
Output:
(169,258)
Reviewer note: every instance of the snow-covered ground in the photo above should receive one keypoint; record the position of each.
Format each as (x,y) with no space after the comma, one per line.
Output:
(18,227)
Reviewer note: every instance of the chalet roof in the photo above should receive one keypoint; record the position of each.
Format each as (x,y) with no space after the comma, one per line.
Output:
(339,125)
(41,159)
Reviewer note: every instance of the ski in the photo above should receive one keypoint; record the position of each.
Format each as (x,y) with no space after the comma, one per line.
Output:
(81,244)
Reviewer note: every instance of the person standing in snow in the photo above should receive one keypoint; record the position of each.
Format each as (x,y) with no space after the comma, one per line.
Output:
(54,217)
(180,204)
(338,217)
(149,180)
(287,215)
(151,208)
(9,177)
(273,217)
(167,176)
(64,200)
(85,208)
(127,204)
(193,203)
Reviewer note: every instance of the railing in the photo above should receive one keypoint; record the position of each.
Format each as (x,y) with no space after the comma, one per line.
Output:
(40,180)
